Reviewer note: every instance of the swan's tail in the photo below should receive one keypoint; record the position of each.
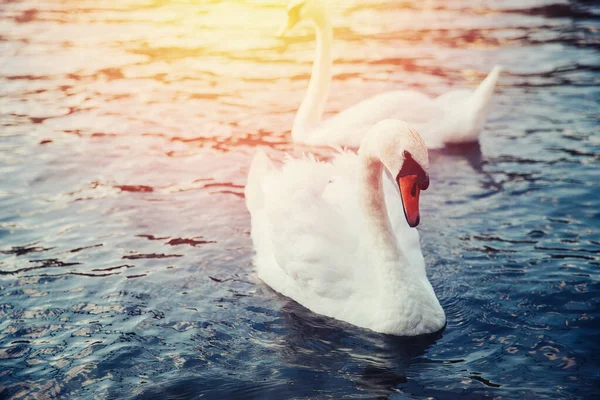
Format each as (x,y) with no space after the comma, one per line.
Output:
(261,165)
(482,95)
(479,102)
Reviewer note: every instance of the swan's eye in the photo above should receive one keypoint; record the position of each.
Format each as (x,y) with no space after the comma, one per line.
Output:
(411,167)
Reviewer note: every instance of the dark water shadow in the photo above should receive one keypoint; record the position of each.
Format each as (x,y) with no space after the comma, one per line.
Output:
(373,362)
(471,152)
(317,356)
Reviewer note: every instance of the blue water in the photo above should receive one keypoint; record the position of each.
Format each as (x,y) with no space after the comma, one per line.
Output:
(125,256)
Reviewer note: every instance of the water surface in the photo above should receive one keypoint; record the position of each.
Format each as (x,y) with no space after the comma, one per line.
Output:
(125,256)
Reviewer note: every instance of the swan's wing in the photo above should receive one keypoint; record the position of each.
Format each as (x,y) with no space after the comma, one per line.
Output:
(350,125)
(260,167)
(312,242)
(453,97)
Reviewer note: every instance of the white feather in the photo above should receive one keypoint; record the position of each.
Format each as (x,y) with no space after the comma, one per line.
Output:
(454,117)
(312,244)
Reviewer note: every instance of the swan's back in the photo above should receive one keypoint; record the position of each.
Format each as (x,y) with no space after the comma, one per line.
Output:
(349,126)
(454,117)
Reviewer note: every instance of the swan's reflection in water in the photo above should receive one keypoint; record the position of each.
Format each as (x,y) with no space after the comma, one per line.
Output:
(374,362)
(471,152)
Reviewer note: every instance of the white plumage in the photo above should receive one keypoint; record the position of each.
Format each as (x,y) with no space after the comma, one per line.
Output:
(327,237)
(455,117)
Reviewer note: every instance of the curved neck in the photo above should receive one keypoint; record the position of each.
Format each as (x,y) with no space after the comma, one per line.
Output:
(379,231)
(311,110)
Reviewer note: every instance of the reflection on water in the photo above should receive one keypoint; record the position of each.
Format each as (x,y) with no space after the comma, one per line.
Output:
(125,256)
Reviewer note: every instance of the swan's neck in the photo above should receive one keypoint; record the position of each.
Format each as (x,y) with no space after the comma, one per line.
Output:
(379,234)
(312,107)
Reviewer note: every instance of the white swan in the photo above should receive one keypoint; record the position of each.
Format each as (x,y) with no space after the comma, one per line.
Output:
(455,117)
(334,236)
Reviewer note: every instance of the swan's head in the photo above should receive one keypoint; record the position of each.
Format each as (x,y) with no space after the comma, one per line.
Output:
(298,10)
(403,153)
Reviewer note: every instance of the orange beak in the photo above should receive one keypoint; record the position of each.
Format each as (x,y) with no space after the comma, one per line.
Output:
(409,191)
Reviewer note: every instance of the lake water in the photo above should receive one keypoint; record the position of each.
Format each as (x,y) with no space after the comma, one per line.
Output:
(125,256)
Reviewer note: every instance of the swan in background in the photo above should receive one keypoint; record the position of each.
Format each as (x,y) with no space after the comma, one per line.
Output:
(455,117)
(337,238)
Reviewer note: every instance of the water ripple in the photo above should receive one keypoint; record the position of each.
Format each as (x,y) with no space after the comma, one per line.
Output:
(126,263)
